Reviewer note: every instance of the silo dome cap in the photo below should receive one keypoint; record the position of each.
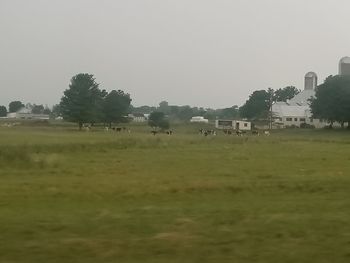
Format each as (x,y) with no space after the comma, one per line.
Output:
(345,60)
(311,75)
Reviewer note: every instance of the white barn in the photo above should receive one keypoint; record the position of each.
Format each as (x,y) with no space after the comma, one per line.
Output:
(296,111)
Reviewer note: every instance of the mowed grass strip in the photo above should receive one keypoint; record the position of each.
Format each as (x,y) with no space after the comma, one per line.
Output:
(68,196)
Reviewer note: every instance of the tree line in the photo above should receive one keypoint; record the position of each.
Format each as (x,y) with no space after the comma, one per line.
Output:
(331,102)
(84,102)
(177,113)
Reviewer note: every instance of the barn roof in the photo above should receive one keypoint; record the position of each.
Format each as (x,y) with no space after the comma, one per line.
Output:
(287,109)
(302,99)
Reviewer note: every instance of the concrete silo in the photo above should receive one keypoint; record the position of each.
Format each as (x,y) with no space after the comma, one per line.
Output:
(310,81)
(344,66)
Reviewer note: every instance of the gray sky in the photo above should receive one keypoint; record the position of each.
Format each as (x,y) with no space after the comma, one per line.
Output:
(210,53)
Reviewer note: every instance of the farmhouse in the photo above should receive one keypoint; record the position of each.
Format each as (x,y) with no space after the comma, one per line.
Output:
(25,113)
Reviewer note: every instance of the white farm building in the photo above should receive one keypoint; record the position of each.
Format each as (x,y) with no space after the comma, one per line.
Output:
(25,113)
(233,125)
(296,111)
(199,119)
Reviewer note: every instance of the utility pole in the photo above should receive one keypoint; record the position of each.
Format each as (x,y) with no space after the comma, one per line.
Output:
(271,99)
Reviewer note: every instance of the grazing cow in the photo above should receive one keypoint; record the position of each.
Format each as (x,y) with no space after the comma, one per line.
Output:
(154,132)
(170,132)
(239,133)
(267,133)
(255,132)
(227,132)
(87,128)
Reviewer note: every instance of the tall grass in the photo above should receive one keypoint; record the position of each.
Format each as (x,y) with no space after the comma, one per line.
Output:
(69,196)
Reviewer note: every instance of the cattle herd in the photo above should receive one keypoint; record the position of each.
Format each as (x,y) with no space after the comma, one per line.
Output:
(203,132)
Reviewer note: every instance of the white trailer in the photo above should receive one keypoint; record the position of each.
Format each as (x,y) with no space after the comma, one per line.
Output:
(233,125)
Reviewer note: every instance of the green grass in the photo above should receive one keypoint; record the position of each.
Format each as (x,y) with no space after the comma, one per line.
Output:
(68,196)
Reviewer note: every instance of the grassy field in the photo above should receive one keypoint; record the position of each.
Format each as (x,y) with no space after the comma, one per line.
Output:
(69,196)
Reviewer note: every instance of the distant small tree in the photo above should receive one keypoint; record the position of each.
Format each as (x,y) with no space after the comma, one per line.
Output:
(185,113)
(142,109)
(157,120)
(38,109)
(47,111)
(164,107)
(56,111)
(14,106)
(229,113)
(3,111)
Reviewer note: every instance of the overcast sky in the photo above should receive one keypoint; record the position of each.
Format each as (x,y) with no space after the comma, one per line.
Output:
(210,53)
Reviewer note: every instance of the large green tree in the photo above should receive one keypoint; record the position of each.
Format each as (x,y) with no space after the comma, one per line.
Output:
(115,106)
(257,106)
(82,101)
(286,93)
(14,106)
(332,100)
(3,111)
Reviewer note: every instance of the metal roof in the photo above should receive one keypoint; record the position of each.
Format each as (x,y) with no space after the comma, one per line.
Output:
(296,107)
(302,98)
(345,60)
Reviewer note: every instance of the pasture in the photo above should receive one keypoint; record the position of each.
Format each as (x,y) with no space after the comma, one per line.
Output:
(69,196)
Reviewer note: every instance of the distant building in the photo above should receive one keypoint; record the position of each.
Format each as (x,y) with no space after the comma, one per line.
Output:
(26,114)
(199,119)
(296,111)
(233,125)
(138,117)
(344,66)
